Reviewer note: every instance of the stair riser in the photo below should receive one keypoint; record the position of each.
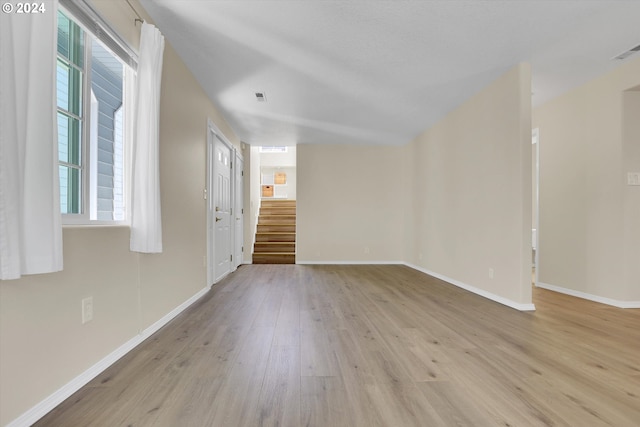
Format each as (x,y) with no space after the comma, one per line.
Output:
(266,237)
(280,219)
(274,247)
(274,259)
(266,228)
(278,203)
(277,211)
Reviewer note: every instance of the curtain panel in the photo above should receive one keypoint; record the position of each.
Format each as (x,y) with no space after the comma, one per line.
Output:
(30,219)
(146,218)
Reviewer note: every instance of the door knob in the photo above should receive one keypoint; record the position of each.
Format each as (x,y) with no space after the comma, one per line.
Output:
(218,219)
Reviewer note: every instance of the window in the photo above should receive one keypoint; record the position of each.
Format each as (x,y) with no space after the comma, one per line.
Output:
(273,149)
(92,88)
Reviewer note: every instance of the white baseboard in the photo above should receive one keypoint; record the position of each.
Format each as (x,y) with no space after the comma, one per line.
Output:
(477,291)
(59,396)
(302,262)
(590,297)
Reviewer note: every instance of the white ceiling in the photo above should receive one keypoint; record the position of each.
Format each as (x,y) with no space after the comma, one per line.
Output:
(382,72)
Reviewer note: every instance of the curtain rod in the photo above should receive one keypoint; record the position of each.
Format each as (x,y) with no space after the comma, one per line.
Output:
(139,18)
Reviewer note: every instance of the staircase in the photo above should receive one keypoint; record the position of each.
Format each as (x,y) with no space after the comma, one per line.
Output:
(276,234)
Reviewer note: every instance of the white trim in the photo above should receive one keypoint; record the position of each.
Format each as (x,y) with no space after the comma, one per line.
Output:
(236,172)
(49,403)
(350,262)
(477,291)
(535,140)
(590,297)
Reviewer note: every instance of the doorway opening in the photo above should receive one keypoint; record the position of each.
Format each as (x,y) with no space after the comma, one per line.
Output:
(274,215)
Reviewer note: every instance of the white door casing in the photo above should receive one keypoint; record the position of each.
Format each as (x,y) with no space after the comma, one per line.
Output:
(535,143)
(238,210)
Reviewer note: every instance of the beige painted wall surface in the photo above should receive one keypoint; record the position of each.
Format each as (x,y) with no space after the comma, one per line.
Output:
(254,202)
(472,191)
(631,163)
(250,195)
(279,159)
(583,187)
(350,198)
(43,344)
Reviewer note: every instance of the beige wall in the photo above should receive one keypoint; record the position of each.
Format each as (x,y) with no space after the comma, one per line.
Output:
(631,163)
(350,203)
(43,345)
(254,201)
(472,191)
(279,159)
(588,215)
(251,189)
(456,201)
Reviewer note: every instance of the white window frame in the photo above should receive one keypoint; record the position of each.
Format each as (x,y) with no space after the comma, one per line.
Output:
(88,148)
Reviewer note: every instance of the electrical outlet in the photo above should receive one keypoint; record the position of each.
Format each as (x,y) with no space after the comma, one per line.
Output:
(366,249)
(491,273)
(420,256)
(87,310)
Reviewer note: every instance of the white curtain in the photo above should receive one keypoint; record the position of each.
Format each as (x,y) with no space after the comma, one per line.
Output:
(30,219)
(146,220)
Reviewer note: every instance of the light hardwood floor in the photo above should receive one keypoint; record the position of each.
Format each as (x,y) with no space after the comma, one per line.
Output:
(292,345)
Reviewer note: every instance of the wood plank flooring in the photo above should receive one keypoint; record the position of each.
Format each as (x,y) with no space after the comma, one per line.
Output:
(293,345)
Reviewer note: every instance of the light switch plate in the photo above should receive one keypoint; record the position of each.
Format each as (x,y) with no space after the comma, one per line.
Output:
(633,178)
(87,310)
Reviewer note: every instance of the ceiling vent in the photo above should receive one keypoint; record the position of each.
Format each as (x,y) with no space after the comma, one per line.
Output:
(261,97)
(628,53)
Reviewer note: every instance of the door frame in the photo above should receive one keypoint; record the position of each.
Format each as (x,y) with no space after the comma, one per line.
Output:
(212,132)
(535,140)
(238,201)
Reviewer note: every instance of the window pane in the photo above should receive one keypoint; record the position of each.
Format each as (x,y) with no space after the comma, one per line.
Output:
(70,190)
(69,136)
(69,88)
(70,40)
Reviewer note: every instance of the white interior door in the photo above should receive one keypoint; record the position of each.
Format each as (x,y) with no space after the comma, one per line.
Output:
(219,207)
(222,210)
(238,210)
